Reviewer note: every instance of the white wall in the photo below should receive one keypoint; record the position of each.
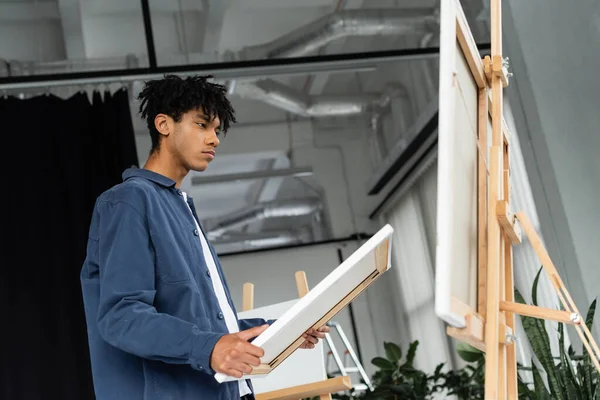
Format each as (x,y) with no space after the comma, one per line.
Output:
(272,273)
(555,63)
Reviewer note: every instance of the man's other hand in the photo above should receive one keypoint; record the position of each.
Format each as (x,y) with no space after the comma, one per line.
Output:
(312,336)
(233,355)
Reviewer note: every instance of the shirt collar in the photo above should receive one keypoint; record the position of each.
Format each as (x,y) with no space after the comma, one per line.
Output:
(149,175)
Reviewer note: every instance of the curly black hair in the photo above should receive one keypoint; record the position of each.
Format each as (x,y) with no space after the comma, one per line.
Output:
(174,96)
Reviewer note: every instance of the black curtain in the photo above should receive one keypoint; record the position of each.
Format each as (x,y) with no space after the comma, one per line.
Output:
(59,155)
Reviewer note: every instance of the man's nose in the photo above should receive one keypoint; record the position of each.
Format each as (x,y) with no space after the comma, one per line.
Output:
(213,139)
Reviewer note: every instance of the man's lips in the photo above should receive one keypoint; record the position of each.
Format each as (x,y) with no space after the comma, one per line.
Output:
(210,153)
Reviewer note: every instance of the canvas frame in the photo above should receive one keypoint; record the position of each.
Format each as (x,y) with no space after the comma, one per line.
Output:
(323,302)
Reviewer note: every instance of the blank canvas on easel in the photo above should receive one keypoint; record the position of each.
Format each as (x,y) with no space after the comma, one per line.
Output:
(457,210)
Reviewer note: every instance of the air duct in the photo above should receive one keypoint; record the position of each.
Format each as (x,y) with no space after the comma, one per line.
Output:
(261,240)
(306,39)
(276,209)
(293,101)
(355,22)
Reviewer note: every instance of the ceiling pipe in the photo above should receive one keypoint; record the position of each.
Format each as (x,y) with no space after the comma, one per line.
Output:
(262,240)
(345,23)
(295,102)
(311,37)
(276,209)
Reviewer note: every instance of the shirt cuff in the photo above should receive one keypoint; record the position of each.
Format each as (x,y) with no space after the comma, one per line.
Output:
(202,351)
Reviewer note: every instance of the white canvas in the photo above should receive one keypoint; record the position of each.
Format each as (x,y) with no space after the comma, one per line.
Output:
(456,247)
(324,297)
(301,368)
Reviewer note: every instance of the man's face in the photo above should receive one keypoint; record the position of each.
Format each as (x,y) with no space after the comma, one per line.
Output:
(195,139)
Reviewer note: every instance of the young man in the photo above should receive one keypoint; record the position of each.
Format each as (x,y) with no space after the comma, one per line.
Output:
(159,313)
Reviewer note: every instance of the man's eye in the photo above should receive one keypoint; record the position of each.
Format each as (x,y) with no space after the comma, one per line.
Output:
(218,133)
(202,125)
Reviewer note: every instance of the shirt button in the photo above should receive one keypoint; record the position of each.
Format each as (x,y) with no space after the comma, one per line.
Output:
(208,273)
(179,192)
(220,315)
(195,232)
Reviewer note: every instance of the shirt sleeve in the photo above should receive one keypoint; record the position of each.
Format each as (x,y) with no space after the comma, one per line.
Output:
(126,317)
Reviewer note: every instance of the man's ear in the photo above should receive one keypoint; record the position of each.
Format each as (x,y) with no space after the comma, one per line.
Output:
(163,124)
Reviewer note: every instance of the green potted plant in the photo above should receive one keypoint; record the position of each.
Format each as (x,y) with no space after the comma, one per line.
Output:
(397,378)
(569,375)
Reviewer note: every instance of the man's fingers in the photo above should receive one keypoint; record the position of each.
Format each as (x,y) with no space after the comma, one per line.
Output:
(233,372)
(238,370)
(307,345)
(252,332)
(319,335)
(249,359)
(312,339)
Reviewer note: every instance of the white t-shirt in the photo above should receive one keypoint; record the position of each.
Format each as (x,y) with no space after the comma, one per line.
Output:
(228,314)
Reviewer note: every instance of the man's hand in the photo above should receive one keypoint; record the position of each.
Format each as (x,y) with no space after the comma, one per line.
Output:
(234,356)
(312,336)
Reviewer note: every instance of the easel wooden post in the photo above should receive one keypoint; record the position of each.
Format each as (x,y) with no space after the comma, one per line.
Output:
(324,388)
(491,328)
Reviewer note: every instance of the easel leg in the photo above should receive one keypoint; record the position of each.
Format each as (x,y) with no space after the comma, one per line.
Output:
(482,200)
(492,348)
(502,319)
(512,391)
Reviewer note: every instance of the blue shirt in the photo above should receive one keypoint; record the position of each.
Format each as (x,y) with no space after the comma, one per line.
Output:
(152,315)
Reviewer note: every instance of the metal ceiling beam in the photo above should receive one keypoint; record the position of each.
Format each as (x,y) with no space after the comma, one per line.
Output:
(214,12)
(149,34)
(275,173)
(239,69)
(72,27)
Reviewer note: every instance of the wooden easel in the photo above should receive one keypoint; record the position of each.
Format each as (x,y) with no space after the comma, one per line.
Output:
(324,388)
(491,327)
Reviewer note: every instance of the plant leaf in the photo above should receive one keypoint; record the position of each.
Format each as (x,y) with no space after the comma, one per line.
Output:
(412,351)
(438,369)
(586,385)
(383,363)
(538,384)
(538,337)
(589,319)
(566,364)
(392,352)
(525,393)
(588,368)
(535,286)
(468,352)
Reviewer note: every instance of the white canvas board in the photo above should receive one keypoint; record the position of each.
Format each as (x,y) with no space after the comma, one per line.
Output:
(320,300)
(456,247)
(302,367)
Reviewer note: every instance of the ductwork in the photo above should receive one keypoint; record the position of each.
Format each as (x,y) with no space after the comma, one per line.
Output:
(282,96)
(259,241)
(355,22)
(276,209)
(304,40)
